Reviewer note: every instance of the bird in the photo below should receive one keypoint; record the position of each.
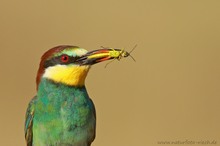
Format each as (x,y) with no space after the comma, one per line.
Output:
(62,113)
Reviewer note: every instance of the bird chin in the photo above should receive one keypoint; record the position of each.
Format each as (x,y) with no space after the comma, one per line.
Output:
(73,75)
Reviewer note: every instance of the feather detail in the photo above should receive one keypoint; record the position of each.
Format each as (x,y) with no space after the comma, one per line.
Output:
(72,75)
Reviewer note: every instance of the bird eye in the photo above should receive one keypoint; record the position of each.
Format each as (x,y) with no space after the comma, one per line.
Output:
(64,58)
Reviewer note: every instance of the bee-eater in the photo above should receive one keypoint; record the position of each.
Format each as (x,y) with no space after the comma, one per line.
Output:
(62,114)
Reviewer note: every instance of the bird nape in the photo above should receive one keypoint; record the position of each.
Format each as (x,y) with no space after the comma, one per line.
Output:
(61,113)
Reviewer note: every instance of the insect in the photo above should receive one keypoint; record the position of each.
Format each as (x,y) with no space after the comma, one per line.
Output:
(104,54)
(119,54)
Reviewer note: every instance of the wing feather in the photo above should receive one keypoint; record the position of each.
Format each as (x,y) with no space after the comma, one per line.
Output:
(29,122)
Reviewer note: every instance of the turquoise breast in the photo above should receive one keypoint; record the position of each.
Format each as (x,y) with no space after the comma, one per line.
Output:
(64,115)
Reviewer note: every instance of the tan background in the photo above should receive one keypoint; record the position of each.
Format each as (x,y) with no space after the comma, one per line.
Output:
(171,93)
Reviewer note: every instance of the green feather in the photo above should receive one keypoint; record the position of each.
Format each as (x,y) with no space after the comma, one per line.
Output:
(63,116)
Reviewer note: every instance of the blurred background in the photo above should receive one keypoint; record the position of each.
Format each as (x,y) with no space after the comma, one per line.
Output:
(171,92)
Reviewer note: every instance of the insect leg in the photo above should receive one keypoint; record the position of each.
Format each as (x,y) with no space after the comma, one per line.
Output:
(110,62)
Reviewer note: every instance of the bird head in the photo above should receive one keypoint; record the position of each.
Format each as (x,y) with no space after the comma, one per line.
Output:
(62,64)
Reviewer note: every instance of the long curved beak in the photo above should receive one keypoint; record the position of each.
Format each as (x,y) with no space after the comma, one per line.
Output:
(97,56)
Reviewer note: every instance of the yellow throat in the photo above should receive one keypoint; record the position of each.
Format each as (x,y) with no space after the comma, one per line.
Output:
(72,75)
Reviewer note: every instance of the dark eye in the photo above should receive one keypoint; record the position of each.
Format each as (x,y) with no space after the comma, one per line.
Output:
(64,58)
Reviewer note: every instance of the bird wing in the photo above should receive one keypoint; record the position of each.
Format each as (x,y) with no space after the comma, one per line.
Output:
(94,112)
(29,122)
(93,107)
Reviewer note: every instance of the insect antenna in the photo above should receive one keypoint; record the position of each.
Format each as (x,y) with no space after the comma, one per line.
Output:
(131,52)
(132,49)
(132,58)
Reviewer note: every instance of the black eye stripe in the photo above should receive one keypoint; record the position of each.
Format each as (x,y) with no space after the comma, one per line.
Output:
(57,60)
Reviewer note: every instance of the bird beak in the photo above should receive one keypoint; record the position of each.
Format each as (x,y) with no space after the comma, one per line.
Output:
(96,56)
